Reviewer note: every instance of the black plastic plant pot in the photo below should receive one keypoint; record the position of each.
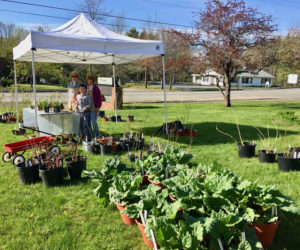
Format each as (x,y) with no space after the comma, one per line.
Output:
(132,158)
(266,157)
(286,162)
(28,175)
(113,118)
(52,177)
(297,150)
(105,149)
(75,168)
(139,144)
(96,148)
(125,145)
(46,109)
(130,118)
(247,150)
(101,114)
(56,109)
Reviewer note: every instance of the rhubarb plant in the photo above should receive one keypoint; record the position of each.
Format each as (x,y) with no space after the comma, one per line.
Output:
(124,188)
(105,177)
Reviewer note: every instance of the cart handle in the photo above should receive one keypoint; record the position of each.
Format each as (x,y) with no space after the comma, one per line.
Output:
(37,130)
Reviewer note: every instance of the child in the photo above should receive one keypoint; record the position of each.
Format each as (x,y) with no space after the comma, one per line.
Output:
(83,107)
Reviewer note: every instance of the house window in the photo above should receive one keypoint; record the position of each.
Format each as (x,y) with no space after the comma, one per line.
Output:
(246,80)
(205,78)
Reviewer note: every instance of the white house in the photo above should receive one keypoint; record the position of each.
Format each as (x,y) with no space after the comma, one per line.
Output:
(262,78)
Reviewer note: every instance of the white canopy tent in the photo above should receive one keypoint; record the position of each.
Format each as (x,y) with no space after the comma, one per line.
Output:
(83,41)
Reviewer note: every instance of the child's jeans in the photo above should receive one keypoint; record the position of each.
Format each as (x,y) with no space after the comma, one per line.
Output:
(85,124)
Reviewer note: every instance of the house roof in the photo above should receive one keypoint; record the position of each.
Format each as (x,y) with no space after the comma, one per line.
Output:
(260,74)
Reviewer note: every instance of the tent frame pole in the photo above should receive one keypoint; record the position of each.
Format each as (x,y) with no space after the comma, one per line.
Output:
(165,94)
(16,91)
(34,91)
(115,89)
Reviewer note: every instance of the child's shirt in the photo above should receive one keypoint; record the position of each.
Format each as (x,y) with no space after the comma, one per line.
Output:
(84,101)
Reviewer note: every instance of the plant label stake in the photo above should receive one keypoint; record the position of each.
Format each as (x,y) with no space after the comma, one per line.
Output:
(289,146)
(243,236)
(295,155)
(145,215)
(153,239)
(26,165)
(159,148)
(220,244)
(275,150)
(142,218)
(298,155)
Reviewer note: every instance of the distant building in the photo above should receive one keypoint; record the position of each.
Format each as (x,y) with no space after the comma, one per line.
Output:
(246,79)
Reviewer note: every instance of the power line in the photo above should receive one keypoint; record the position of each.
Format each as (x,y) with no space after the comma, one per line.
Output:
(64,18)
(107,15)
(168,3)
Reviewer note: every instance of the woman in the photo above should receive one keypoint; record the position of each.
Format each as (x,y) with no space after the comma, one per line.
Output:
(73,90)
(96,102)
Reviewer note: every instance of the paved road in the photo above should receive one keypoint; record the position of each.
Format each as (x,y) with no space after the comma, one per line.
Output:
(140,96)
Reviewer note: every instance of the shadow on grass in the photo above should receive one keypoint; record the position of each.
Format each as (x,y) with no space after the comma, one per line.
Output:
(287,235)
(133,107)
(281,105)
(207,134)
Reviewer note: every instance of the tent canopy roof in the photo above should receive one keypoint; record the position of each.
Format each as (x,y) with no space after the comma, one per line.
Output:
(82,40)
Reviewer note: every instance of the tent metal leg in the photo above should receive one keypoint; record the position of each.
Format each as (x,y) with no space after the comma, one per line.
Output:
(16,90)
(115,89)
(165,94)
(34,91)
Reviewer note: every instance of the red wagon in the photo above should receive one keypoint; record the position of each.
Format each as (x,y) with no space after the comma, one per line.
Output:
(12,149)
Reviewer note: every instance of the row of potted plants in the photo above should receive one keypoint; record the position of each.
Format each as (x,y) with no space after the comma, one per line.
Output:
(49,163)
(107,145)
(114,118)
(47,106)
(179,204)
(8,117)
(286,161)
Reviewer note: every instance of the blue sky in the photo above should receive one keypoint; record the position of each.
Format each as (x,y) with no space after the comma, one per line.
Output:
(284,12)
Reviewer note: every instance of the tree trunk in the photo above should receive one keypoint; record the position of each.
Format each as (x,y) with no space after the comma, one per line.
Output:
(146,78)
(171,82)
(227,93)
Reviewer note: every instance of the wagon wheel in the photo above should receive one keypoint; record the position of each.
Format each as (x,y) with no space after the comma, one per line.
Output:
(18,159)
(55,150)
(6,157)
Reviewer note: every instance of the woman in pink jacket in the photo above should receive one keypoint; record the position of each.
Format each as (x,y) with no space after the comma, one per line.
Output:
(96,102)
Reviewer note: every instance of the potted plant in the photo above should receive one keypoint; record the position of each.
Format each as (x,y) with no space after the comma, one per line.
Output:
(245,149)
(266,153)
(289,161)
(40,105)
(105,177)
(57,106)
(51,170)
(76,163)
(265,205)
(123,192)
(101,113)
(28,172)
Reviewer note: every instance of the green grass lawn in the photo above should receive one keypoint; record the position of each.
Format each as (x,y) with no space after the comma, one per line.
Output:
(70,217)
(39,87)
